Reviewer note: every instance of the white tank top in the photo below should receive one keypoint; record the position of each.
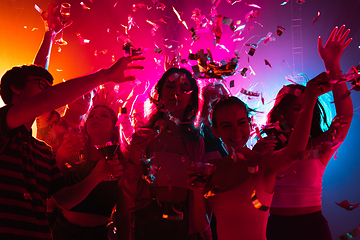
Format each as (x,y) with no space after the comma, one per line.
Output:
(300,185)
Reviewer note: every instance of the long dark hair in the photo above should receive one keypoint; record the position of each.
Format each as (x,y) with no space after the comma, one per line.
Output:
(283,100)
(190,110)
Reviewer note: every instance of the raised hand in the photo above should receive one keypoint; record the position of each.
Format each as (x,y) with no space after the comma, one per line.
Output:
(116,72)
(69,149)
(334,46)
(51,19)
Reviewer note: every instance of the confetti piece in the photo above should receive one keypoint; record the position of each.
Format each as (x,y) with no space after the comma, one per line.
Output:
(267,63)
(154,28)
(37,8)
(159,5)
(232,2)
(179,18)
(252,5)
(284,3)
(115,4)
(279,30)
(212,192)
(217,29)
(232,83)
(257,204)
(238,39)
(346,205)
(193,34)
(84,6)
(251,51)
(243,72)
(316,18)
(82,41)
(136,6)
(249,93)
(300,1)
(251,15)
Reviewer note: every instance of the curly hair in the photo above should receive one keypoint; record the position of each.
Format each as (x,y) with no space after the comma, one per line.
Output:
(18,76)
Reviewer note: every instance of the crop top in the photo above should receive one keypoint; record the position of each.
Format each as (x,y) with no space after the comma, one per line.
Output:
(299,185)
(236,215)
(172,169)
(102,199)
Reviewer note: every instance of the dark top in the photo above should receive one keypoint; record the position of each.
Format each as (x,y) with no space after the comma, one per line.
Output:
(28,176)
(102,199)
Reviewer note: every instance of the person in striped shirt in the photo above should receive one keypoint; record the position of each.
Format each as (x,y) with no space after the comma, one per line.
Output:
(28,171)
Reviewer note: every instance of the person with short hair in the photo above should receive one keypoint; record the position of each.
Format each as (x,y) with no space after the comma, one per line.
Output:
(28,171)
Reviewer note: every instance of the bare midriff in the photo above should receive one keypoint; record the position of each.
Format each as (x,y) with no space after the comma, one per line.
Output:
(85,219)
(167,194)
(294,211)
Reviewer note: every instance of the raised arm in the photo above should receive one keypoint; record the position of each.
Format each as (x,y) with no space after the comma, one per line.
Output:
(282,159)
(53,26)
(26,111)
(331,54)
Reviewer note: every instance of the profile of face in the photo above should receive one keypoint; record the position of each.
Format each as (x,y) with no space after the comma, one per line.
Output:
(99,121)
(82,104)
(176,92)
(232,125)
(291,111)
(34,85)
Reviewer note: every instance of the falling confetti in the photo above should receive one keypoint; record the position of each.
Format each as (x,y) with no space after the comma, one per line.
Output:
(251,15)
(267,63)
(252,5)
(84,6)
(346,205)
(280,30)
(316,18)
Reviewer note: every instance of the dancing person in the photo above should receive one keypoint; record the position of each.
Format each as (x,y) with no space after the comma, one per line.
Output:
(241,187)
(89,218)
(29,174)
(296,206)
(162,200)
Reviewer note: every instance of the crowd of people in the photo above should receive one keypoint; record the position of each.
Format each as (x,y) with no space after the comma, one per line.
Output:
(177,177)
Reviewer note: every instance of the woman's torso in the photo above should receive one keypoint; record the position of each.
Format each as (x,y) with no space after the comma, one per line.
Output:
(170,155)
(240,206)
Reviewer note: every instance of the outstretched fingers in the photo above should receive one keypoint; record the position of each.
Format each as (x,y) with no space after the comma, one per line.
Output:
(339,33)
(347,42)
(343,37)
(320,44)
(332,35)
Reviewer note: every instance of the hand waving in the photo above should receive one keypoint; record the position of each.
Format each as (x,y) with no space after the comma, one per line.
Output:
(334,46)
